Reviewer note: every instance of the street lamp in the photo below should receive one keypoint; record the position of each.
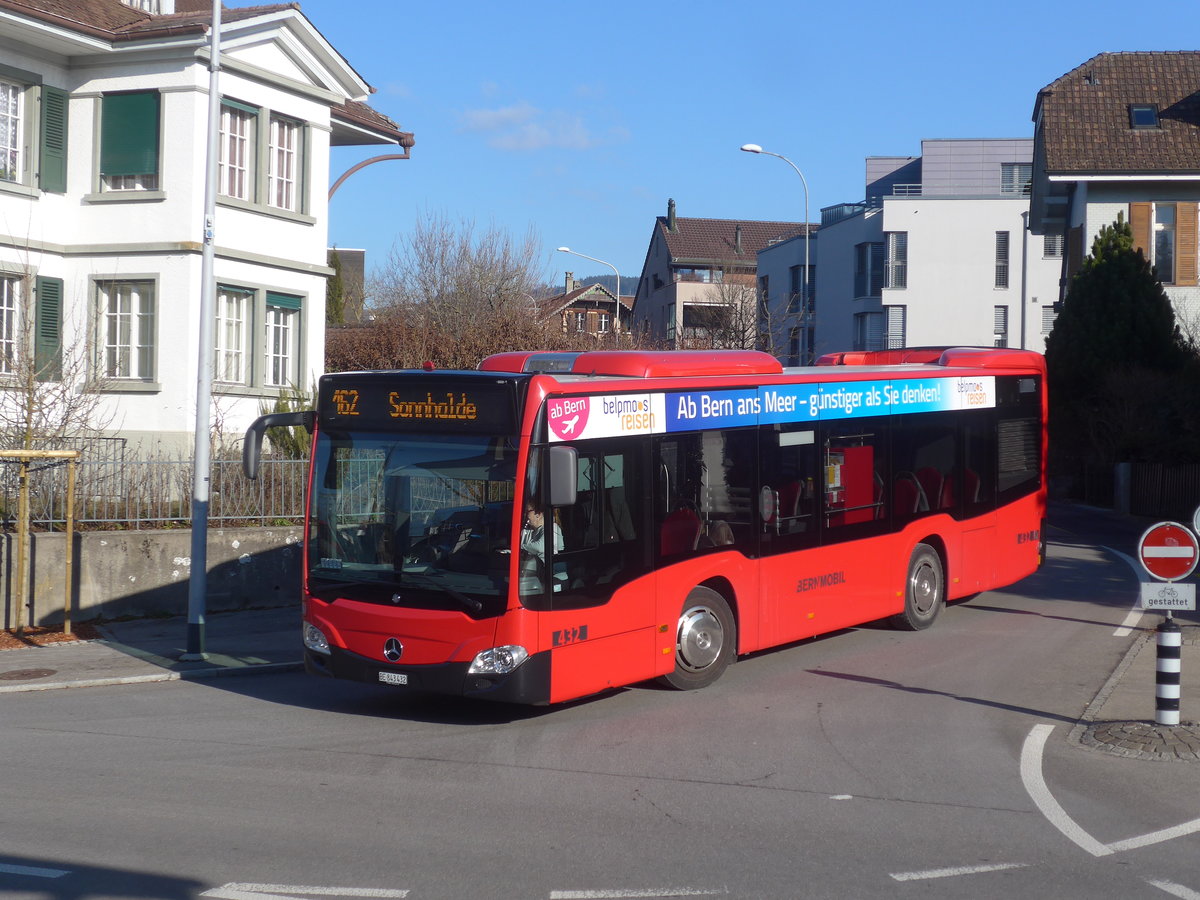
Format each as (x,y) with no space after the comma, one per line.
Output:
(617,314)
(755,148)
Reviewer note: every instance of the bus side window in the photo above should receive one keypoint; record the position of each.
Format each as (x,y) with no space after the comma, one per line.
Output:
(706,492)
(790,486)
(924,451)
(855,490)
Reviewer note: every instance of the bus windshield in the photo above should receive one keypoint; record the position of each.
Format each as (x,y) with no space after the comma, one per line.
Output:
(424,518)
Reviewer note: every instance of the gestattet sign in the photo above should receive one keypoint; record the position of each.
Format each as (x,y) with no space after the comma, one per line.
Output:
(1168,551)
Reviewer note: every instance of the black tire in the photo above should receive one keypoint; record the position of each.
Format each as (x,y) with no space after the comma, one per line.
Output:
(705,641)
(924,590)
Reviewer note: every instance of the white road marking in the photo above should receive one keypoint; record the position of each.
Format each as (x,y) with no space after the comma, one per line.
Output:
(955,871)
(32,871)
(842,797)
(1134,616)
(635,894)
(1035,786)
(239,890)
(1175,890)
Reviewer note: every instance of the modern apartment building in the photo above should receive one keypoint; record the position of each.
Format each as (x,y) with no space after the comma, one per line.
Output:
(938,253)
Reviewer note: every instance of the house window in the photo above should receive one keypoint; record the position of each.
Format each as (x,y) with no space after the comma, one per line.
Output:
(1049,314)
(1164,242)
(1016,178)
(238,147)
(1052,246)
(605,322)
(1166,235)
(868,269)
(703,275)
(283,340)
(231,337)
(126,318)
(10,327)
(1001,259)
(283,171)
(12,134)
(580,320)
(896,323)
(129,134)
(1000,326)
(1143,115)
(896,260)
(868,331)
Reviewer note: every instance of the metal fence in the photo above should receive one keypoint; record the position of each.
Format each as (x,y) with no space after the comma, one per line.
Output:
(1169,492)
(116,493)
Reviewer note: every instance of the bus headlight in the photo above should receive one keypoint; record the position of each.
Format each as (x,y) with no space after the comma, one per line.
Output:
(315,640)
(498,660)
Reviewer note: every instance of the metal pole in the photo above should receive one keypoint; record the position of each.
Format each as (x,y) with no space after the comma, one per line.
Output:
(22,546)
(1167,672)
(70,554)
(202,463)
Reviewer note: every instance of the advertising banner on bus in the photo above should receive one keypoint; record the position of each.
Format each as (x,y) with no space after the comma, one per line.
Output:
(612,415)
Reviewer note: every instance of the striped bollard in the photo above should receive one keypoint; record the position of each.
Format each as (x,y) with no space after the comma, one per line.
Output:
(1166,679)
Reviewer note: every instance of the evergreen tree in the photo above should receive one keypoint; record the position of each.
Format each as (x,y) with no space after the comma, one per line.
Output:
(1114,340)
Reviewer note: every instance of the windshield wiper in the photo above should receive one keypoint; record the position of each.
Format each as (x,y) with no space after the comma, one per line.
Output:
(468,603)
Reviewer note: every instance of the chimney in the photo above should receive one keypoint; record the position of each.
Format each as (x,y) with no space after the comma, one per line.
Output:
(737,239)
(671,215)
(570,283)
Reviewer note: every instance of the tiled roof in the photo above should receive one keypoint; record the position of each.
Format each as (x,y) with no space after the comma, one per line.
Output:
(116,21)
(716,239)
(360,114)
(1085,115)
(547,306)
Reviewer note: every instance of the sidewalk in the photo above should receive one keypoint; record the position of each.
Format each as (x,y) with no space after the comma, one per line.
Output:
(239,642)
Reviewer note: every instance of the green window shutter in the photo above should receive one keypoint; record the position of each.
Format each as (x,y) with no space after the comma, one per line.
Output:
(52,175)
(238,104)
(284,301)
(129,134)
(47,329)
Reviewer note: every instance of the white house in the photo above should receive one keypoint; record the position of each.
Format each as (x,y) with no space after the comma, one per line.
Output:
(1119,135)
(939,253)
(103,122)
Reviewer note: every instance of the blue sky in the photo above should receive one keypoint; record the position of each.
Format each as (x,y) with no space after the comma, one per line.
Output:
(580,120)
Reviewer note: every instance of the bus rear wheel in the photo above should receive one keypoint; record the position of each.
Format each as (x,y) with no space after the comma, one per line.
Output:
(924,590)
(705,640)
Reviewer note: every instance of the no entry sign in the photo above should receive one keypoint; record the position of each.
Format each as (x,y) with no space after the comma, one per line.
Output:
(1168,551)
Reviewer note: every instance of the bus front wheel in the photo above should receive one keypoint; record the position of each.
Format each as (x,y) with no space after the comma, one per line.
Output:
(924,590)
(705,640)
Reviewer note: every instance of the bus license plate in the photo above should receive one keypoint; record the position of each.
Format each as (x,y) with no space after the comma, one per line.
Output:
(393,678)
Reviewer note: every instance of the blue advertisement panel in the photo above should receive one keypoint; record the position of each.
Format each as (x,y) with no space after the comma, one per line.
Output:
(571,418)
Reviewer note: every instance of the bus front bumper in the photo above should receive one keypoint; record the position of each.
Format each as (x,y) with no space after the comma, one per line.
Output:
(529,683)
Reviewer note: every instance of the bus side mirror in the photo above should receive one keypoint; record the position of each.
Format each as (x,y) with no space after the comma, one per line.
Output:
(564,475)
(252,445)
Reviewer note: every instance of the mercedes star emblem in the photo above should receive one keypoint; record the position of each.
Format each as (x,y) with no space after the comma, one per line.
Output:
(392,649)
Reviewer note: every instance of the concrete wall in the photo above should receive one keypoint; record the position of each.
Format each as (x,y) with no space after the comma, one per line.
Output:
(146,573)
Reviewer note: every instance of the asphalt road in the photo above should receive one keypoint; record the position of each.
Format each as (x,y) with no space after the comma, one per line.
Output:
(870,763)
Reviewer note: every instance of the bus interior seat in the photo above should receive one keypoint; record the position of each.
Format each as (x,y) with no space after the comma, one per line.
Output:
(931,481)
(679,533)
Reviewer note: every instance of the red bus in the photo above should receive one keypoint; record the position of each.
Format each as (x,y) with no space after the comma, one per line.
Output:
(553,525)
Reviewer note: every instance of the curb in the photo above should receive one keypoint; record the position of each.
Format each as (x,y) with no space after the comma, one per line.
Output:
(186,675)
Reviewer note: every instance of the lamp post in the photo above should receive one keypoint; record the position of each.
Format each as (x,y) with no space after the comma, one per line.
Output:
(755,148)
(617,314)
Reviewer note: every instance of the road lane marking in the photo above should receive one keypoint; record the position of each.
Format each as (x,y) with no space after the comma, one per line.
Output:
(649,894)
(240,890)
(32,871)
(955,871)
(1175,890)
(1134,616)
(1035,786)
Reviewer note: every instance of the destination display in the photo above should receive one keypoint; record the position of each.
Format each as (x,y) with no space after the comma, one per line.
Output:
(573,418)
(372,401)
